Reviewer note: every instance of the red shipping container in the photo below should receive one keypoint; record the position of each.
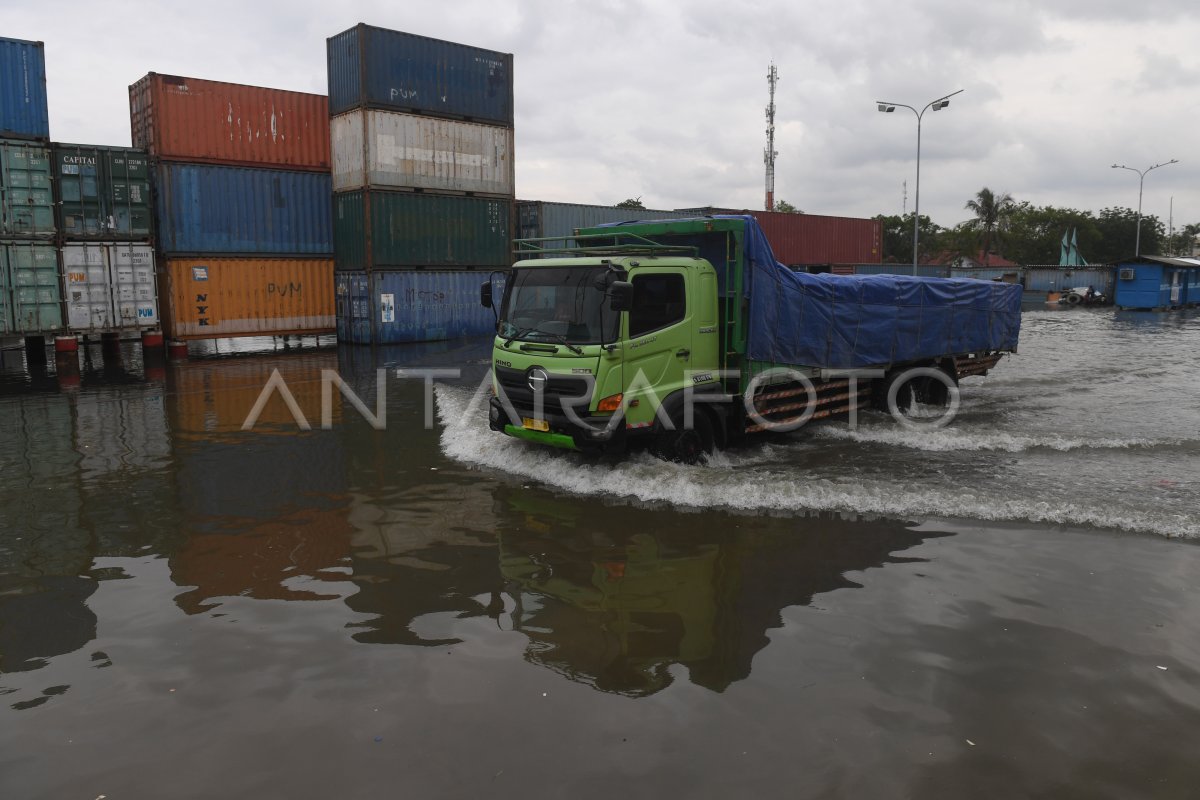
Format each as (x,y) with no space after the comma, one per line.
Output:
(189,119)
(803,239)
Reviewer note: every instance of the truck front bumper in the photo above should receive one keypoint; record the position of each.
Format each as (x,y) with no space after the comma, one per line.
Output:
(563,433)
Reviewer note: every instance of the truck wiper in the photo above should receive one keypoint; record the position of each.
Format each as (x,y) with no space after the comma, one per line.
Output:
(562,339)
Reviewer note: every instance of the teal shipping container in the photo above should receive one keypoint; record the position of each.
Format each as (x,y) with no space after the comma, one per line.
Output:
(380,230)
(26,199)
(30,297)
(538,219)
(23,108)
(102,192)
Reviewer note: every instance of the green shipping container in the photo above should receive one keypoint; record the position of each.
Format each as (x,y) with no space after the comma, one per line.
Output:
(26,200)
(377,230)
(30,297)
(103,192)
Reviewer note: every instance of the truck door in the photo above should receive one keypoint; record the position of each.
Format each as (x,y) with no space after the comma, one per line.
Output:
(658,332)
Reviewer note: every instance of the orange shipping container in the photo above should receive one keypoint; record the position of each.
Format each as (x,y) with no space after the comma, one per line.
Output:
(211,298)
(189,119)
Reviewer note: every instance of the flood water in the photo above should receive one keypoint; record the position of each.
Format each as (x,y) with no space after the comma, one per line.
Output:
(1004,608)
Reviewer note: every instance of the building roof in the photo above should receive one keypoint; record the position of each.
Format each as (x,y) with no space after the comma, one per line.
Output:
(949,258)
(1170,262)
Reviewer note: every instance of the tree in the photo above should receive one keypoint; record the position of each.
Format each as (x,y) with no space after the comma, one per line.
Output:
(1118,231)
(1035,233)
(787,208)
(633,202)
(898,238)
(992,215)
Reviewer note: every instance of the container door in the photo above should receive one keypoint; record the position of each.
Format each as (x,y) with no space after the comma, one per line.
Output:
(28,204)
(129,201)
(37,302)
(131,267)
(79,191)
(6,310)
(88,287)
(658,331)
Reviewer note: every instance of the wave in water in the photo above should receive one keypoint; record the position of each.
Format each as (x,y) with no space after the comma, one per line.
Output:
(750,480)
(950,440)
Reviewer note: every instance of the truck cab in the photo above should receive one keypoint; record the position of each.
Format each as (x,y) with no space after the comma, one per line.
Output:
(589,347)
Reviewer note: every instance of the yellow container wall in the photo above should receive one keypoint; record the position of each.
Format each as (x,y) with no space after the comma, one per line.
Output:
(211,298)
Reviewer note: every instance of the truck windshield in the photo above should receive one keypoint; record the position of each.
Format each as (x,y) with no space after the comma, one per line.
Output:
(564,304)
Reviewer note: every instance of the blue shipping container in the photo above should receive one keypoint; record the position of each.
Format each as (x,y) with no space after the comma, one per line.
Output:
(375,67)
(23,107)
(415,306)
(352,297)
(206,209)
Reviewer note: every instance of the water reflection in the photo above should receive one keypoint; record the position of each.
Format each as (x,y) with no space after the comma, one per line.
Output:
(614,608)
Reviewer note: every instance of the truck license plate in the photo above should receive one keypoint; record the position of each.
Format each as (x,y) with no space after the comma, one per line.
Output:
(535,424)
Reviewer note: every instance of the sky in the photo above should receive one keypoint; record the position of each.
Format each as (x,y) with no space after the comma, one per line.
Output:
(665,100)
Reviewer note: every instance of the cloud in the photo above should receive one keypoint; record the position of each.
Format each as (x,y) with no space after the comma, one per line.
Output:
(666,99)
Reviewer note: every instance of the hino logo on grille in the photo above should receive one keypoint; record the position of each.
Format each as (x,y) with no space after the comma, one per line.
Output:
(538,379)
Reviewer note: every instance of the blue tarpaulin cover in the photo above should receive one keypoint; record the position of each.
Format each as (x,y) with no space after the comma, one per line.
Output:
(851,321)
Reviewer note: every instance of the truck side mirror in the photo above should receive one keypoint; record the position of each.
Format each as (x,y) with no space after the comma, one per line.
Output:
(620,295)
(485,294)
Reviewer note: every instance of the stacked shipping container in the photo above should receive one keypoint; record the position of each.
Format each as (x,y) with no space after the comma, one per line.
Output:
(242,205)
(30,294)
(105,225)
(422,144)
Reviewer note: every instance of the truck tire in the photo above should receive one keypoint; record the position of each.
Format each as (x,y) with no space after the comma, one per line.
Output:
(1073,299)
(686,446)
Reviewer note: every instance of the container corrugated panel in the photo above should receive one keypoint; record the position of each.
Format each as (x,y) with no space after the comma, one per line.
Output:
(802,239)
(543,219)
(26,197)
(103,192)
(353,293)
(213,298)
(23,108)
(210,209)
(923,270)
(430,306)
(389,150)
(405,229)
(985,273)
(1054,279)
(30,288)
(109,286)
(190,119)
(375,67)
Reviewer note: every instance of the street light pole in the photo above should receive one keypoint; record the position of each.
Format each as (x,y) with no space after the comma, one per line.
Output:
(887,107)
(1137,240)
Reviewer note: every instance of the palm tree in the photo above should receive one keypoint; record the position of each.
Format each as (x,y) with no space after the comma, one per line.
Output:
(992,215)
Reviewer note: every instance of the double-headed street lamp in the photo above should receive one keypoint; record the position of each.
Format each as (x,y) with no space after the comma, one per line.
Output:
(1137,242)
(937,105)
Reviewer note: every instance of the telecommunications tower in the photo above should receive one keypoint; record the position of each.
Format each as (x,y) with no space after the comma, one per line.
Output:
(770,153)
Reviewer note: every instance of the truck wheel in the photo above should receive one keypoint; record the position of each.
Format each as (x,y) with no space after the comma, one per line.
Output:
(686,446)
(1073,299)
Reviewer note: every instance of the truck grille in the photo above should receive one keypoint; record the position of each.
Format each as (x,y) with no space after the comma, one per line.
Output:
(515,384)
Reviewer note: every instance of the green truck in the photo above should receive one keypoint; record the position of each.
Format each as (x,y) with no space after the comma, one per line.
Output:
(687,335)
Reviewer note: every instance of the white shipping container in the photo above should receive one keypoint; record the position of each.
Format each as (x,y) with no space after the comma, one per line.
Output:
(389,150)
(109,286)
